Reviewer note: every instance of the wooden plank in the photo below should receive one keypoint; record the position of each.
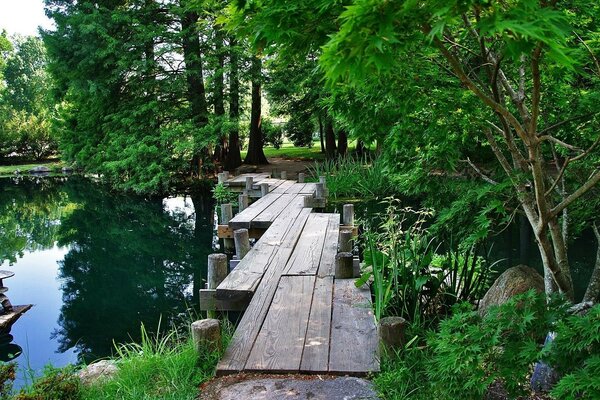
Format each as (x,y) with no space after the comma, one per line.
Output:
(280,342)
(243,339)
(307,254)
(354,342)
(273,183)
(226,232)
(209,301)
(240,180)
(243,281)
(284,186)
(244,219)
(269,214)
(295,188)
(315,357)
(309,188)
(330,248)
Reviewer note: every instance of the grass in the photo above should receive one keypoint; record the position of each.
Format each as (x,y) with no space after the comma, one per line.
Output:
(9,170)
(166,367)
(287,150)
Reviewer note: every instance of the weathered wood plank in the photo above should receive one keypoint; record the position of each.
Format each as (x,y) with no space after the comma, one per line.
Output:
(280,342)
(243,339)
(309,188)
(330,247)
(295,188)
(354,341)
(283,187)
(244,219)
(307,254)
(240,180)
(209,302)
(272,182)
(226,232)
(269,214)
(315,357)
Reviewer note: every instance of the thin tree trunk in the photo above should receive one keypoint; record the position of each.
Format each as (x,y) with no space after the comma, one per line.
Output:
(330,147)
(255,153)
(221,147)
(234,158)
(342,142)
(592,292)
(321,135)
(360,148)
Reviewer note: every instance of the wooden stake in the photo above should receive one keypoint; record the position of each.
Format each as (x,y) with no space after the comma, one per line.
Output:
(320,192)
(264,189)
(221,177)
(207,335)
(217,270)
(348,215)
(242,242)
(249,183)
(226,175)
(345,241)
(301,177)
(391,332)
(243,201)
(226,213)
(344,266)
(283,175)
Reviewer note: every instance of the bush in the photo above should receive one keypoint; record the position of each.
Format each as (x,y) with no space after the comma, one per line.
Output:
(272,133)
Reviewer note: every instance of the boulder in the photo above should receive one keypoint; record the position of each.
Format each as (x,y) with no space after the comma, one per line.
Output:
(104,369)
(513,281)
(40,169)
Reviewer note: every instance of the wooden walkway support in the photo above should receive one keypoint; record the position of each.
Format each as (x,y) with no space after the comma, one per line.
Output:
(299,317)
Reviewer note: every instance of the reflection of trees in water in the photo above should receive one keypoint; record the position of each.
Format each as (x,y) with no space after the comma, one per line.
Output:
(130,262)
(30,212)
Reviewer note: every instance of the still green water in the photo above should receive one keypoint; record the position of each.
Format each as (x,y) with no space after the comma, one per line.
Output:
(96,265)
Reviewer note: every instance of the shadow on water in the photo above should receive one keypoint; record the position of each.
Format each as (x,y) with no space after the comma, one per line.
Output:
(98,264)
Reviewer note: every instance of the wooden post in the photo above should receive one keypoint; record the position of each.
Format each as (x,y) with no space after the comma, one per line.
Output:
(242,242)
(226,213)
(348,215)
(283,175)
(264,189)
(217,270)
(391,332)
(323,180)
(249,183)
(345,241)
(344,266)
(301,177)
(221,177)
(225,175)
(206,334)
(243,201)
(320,192)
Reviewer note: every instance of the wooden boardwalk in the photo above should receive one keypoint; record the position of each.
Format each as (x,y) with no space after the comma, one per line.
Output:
(299,317)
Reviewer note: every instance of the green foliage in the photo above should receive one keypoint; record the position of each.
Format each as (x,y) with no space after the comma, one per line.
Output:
(272,133)
(55,384)
(222,194)
(7,376)
(354,178)
(470,353)
(575,352)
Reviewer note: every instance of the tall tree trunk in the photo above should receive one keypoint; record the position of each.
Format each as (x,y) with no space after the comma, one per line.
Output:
(221,148)
(193,69)
(329,139)
(592,292)
(234,158)
(342,142)
(321,135)
(256,154)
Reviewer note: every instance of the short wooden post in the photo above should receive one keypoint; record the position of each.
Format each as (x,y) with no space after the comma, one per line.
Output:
(221,177)
(217,270)
(308,203)
(391,332)
(320,192)
(225,175)
(249,183)
(242,242)
(344,266)
(345,241)
(348,215)
(226,213)
(206,334)
(243,201)
(264,189)
(323,180)
(283,175)
(301,177)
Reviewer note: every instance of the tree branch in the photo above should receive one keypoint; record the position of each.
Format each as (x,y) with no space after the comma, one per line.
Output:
(591,182)
(480,172)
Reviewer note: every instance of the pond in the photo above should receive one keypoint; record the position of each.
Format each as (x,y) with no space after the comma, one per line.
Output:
(96,265)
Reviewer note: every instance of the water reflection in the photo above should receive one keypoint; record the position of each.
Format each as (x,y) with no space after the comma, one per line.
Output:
(104,263)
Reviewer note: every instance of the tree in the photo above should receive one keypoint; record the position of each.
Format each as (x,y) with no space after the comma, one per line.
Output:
(508,56)
(255,153)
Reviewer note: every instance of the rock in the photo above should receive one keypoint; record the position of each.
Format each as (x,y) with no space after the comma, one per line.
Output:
(544,377)
(207,333)
(513,281)
(245,169)
(40,169)
(301,388)
(104,369)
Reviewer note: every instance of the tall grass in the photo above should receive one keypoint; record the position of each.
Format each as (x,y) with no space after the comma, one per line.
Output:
(350,177)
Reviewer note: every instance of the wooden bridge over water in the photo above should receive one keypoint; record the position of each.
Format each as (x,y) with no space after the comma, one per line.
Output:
(302,310)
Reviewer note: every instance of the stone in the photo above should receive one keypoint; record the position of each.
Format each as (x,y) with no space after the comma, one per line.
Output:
(391,332)
(302,388)
(40,169)
(544,377)
(100,370)
(207,334)
(513,281)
